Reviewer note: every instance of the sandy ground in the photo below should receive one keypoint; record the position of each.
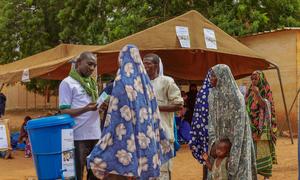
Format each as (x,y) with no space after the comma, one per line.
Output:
(185,167)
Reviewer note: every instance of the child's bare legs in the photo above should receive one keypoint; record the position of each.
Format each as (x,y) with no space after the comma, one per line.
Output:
(28,149)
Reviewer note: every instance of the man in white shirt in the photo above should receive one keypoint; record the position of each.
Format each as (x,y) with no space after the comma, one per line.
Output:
(77,97)
(169,100)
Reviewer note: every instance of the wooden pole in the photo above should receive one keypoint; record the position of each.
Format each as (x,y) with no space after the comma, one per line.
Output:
(35,100)
(284,101)
(26,108)
(291,108)
(56,101)
(45,100)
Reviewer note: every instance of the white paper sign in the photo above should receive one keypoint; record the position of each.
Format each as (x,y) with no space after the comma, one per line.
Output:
(182,33)
(25,75)
(102,98)
(3,137)
(210,38)
(67,145)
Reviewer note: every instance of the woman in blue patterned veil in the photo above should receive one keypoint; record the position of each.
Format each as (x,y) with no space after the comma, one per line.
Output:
(133,142)
(199,132)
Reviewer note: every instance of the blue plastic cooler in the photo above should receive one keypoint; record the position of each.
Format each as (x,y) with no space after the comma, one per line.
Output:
(45,138)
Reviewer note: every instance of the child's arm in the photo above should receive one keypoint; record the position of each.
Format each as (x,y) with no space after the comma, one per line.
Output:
(208,164)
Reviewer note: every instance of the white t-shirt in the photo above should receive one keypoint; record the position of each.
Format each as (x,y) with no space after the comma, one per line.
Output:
(73,96)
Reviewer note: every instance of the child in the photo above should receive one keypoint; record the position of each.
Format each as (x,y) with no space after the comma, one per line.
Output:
(219,166)
(24,137)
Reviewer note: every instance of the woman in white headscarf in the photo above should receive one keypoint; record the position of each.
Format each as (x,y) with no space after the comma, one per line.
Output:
(228,119)
(161,68)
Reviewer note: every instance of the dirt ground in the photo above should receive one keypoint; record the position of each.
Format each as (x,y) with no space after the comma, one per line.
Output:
(185,167)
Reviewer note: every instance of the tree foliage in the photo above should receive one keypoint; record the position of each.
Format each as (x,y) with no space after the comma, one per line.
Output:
(31,26)
(43,87)
(28,27)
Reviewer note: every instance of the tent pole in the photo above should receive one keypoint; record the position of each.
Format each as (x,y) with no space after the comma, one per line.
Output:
(284,103)
(294,101)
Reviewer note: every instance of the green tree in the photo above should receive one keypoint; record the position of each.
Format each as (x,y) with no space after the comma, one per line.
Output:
(31,26)
(282,13)
(240,17)
(83,21)
(22,30)
(104,21)
(28,27)
(43,87)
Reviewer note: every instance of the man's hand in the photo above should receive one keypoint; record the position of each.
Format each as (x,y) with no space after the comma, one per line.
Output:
(91,107)
(79,111)
(104,106)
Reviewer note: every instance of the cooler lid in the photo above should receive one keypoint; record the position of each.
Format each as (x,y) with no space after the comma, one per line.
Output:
(50,121)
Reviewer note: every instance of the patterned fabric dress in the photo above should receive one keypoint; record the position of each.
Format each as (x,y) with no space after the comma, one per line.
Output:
(228,119)
(199,132)
(133,142)
(263,124)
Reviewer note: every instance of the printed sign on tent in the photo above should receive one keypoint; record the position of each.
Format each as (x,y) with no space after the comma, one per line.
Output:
(210,38)
(68,163)
(25,75)
(182,33)
(3,137)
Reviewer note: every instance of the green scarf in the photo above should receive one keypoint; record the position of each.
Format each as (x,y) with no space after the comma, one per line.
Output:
(88,84)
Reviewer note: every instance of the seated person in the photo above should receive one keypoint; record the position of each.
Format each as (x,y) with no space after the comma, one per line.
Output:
(24,137)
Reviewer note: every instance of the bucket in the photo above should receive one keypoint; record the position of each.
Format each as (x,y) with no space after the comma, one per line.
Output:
(52,146)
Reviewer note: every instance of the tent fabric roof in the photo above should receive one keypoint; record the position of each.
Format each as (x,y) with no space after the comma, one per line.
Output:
(182,63)
(163,37)
(187,63)
(42,63)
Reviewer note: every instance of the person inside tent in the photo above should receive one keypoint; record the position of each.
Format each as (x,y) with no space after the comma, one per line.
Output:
(168,97)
